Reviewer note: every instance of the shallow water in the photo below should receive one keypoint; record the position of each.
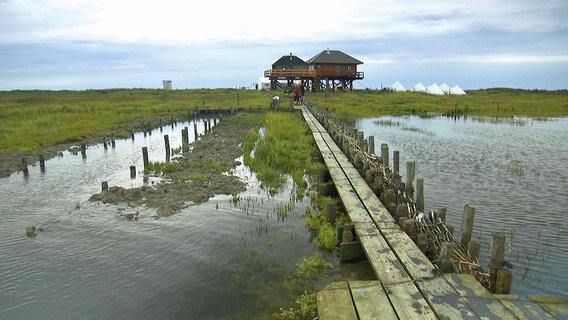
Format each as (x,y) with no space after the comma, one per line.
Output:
(215,260)
(515,173)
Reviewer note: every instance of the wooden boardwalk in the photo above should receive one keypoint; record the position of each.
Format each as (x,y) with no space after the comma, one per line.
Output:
(408,285)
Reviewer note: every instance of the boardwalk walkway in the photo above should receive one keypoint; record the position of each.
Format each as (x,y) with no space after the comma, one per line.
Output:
(408,285)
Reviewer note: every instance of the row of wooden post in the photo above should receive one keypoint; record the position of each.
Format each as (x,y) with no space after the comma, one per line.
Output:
(500,276)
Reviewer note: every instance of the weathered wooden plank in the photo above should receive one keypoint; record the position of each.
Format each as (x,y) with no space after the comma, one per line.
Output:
(523,307)
(353,206)
(481,301)
(334,302)
(408,302)
(417,264)
(444,299)
(386,265)
(555,305)
(371,301)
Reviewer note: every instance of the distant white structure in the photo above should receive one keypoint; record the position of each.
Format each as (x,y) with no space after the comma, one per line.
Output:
(397,86)
(434,89)
(167,84)
(419,87)
(263,84)
(456,90)
(445,88)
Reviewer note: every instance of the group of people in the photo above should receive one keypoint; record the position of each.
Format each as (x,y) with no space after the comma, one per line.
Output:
(298,93)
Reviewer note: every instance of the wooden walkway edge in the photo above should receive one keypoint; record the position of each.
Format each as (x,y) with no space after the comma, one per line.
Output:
(409,285)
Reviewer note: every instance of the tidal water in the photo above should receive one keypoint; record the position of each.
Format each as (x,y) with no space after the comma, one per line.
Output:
(216,260)
(514,171)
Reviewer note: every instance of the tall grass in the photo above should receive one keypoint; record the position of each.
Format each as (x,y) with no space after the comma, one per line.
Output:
(33,119)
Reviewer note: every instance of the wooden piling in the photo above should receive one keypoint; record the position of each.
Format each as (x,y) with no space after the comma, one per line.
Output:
(445,259)
(442,212)
(195,131)
(104,186)
(410,171)
(184,140)
(42,163)
(167,146)
(503,281)
(473,249)
(420,194)
(385,154)
(331,212)
(371,144)
(467,224)
(25,167)
(396,161)
(145,156)
(113,143)
(132,172)
(497,258)
(83,150)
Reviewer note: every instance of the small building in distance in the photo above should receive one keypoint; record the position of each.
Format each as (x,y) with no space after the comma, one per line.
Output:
(330,69)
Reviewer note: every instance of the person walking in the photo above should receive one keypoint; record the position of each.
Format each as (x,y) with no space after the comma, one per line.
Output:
(297,92)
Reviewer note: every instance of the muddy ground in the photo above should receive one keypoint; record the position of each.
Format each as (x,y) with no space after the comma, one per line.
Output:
(196,176)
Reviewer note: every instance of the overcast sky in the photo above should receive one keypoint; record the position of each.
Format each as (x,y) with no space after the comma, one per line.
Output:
(79,44)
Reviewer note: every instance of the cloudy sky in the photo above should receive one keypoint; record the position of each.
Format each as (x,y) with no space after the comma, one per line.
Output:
(80,44)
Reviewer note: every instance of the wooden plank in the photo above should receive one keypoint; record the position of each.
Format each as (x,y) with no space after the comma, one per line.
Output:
(481,301)
(334,302)
(416,263)
(386,265)
(371,301)
(444,299)
(408,302)
(353,206)
(523,307)
(555,305)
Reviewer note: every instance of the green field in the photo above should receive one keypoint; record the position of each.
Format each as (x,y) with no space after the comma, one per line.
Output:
(30,120)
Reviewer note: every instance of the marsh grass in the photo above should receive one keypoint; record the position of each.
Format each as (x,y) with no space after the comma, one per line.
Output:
(33,119)
(497,102)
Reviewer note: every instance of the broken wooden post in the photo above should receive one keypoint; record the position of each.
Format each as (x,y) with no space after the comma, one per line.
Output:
(195,131)
(167,146)
(104,186)
(42,163)
(132,172)
(371,144)
(25,167)
(84,150)
(503,281)
(467,224)
(145,156)
(385,154)
(410,171)
(473,249)
(497,258)
(420,194)
(442,211)
(396,161)
(446,264)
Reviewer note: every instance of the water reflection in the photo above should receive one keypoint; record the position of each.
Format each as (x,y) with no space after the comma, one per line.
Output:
(513,171)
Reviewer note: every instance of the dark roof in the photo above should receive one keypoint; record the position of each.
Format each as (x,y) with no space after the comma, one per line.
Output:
(289,62)
(333,57)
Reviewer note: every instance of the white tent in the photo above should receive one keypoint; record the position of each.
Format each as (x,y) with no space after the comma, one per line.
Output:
(419,87)
(434,89)
(263,84)
(456,90)
(445,88)
(397,86)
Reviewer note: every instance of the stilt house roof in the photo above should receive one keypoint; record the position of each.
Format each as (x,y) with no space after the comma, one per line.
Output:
(333,57)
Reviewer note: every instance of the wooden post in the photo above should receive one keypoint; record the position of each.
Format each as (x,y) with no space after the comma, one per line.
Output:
(105,145)
(385,154)
(503,281)
(467,224)
(113,143)
(410,170)
(195,131)
(396,161)
(445,259)
(145,156)
(104,186)
(83,150)
(401,211)
(42,163)
(371,144)
(420,194)
(25,167)
(473,249)
(132,172)
(497,255)
(442,212)
(184,140)
(331,212)
(167,145)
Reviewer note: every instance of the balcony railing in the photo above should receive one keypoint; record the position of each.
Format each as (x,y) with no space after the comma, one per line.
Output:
(305,73)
